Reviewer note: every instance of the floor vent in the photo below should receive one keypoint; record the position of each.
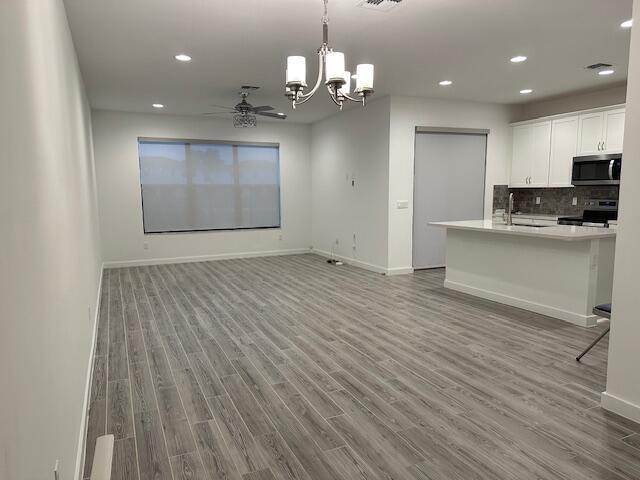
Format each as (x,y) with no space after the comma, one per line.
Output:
(379,5)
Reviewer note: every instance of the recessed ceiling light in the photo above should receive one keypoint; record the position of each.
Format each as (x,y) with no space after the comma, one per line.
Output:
(158,105)
(627,24)
(183,58)
(445,83)
(281,114)
(518,59)
(526,91)
(606,72)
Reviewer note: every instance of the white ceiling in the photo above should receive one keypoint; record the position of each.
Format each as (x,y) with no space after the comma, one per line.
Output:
(126,49)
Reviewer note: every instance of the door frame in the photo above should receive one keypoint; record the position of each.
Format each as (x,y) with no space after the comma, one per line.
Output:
(447,131)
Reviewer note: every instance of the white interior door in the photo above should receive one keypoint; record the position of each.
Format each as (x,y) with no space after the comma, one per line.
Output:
(449,183)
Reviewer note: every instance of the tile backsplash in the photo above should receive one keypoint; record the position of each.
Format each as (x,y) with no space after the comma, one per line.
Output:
(553,201)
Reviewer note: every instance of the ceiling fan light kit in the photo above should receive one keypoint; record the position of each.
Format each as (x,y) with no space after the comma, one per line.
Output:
(331,66)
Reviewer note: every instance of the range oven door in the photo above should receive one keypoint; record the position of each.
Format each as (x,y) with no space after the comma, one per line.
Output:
(597,170)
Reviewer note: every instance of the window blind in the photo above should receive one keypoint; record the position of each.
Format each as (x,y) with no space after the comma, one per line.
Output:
(197,186)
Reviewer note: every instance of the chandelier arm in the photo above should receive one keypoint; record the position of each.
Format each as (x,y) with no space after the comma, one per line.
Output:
(333,96)
(306,96)
(349,97)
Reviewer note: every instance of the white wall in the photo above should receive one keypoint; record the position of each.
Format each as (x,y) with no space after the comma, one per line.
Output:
(353,143)
(623,378)
(118,175)
(572,103)
(408,113)
(49,255)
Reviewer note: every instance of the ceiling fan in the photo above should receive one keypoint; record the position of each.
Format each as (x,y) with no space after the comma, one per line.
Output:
(244,114)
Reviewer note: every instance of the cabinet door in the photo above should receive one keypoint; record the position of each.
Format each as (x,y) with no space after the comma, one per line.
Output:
(590,136)
(540,151)
(564,146)
(613,130)
(521,159)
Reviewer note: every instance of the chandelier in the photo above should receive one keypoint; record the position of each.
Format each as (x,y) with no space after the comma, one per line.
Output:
(337,80)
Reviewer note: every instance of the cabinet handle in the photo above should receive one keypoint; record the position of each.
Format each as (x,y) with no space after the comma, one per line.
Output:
(603,146)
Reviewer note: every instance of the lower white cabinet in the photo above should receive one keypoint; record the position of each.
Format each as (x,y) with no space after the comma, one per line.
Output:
(543,150)
(564,146)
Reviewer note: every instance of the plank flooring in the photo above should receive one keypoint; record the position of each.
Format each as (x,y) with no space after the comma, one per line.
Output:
(287,368)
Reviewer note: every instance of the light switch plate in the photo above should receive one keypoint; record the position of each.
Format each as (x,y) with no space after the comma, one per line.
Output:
(402,204)
(537,200)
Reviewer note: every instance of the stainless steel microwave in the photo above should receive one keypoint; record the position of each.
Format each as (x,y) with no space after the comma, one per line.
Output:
(597,170)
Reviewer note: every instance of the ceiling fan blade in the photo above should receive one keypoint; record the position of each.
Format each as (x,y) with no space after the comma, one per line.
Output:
(273,115)
(223,106)
(263,108)
(215,113)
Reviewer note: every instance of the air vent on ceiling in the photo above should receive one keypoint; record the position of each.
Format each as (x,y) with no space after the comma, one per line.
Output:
(597,66)
(379,5)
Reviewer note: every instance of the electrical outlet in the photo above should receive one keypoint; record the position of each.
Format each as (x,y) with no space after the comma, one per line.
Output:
(537,200)
(145,245)
(280,237)
(574,202)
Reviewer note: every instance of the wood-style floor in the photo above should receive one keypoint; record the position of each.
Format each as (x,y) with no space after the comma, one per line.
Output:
(290,368)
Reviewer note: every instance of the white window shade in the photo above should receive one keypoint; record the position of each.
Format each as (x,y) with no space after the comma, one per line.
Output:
(197,186)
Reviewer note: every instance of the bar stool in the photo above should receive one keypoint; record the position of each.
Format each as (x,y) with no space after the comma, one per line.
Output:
(603,310)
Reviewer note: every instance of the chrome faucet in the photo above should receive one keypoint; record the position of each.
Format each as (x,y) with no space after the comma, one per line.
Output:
(510,210)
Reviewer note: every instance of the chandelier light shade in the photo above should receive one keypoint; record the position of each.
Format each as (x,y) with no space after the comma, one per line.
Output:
(364,76)
(331,68)
(335,66)
(297,70)
(345,89)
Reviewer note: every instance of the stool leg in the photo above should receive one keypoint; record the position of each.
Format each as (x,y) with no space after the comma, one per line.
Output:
(592,344)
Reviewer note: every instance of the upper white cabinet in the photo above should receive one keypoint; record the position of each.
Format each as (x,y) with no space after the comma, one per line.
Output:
(543,150)
(564,145)
(590,133)
(601,132)
(613,130)
(530,163)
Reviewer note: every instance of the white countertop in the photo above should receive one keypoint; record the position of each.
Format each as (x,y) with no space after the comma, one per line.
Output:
(556,232)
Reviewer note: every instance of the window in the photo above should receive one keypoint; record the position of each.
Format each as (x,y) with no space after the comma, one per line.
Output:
(198,185)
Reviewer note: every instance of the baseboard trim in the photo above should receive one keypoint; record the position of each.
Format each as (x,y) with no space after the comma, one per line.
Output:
(620,406)
(87,388)
(571,317)
(352,261)
(204,258)
(399,271)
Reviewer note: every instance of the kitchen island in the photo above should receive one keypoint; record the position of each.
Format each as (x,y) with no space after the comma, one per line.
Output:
(561,271)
